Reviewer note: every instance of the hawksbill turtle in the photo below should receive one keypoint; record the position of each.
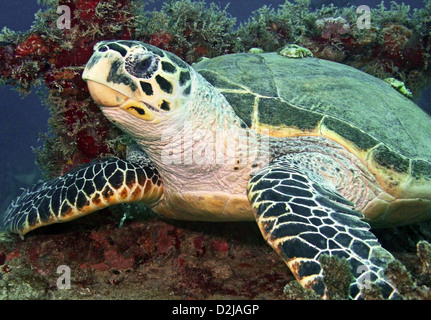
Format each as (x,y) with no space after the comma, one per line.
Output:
(314,151)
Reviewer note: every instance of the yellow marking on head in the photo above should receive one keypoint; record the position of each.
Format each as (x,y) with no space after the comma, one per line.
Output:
(138,109)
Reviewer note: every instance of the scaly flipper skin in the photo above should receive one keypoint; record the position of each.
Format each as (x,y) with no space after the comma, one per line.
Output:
(302,220)
(86,189)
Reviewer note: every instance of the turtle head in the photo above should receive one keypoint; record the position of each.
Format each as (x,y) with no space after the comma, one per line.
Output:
(139,79)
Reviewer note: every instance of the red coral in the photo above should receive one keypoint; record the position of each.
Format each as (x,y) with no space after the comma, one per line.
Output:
(62,80)
(91,142)
(161,39)
(181,262)
(166,240)
(200,248)
(87,8)
(332,27)
(6,269)
(13,254)
(221,246)
(127,33)
(115,260)
(400,49)
(396,38)
(33,44)
(201,51)
(77,57)
(113,256)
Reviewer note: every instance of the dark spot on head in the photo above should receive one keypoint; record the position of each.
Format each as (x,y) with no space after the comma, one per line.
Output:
(116,47)
(164,84)
(116,76)
(235,168)
(177,60)
(138,110)
(187,90)
(165,106)
(168,67)
(184,77)
(93,60)
(147,88)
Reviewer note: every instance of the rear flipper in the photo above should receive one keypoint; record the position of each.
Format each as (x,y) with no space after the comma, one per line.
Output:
(302,220)
(86,189)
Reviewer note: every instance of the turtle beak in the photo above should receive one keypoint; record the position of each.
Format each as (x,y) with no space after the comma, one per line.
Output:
(105,96)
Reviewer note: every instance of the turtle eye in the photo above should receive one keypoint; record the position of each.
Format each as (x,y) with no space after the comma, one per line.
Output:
(142,67)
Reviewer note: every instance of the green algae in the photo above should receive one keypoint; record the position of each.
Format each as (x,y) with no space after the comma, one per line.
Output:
(22,285)
(8,35)
(337,277)
(195,28)
(271,29)
(294,291)
(424,254)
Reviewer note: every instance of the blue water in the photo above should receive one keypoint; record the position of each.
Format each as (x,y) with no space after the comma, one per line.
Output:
(23,119)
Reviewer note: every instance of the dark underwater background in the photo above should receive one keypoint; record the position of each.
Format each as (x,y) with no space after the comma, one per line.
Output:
(24,119)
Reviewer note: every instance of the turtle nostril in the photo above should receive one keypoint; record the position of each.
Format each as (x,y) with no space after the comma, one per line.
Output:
(102,49)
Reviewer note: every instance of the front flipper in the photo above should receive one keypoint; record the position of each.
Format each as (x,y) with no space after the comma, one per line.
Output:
(302,220)
(86,189)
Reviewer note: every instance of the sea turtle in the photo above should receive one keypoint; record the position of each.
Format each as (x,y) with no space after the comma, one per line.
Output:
(313,150)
